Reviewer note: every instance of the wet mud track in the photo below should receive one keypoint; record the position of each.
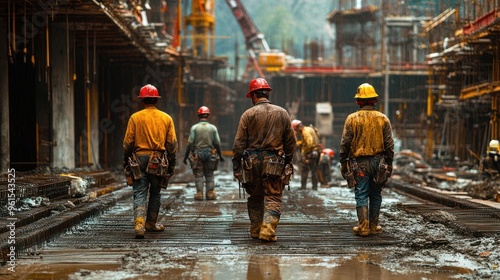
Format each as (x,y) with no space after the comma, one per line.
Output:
(210,240)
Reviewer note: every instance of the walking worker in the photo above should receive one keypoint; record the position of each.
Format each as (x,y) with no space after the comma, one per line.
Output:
(204,153)
(366,153)
(150,138)
(309,153)
(263,150)
(325,166)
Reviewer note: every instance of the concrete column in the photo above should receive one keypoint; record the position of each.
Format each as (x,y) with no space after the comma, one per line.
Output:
(4,103)
(63,121)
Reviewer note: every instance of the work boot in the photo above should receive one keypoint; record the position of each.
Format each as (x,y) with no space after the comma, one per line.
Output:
(139,222)
(151,225)
(198,196)
(374,214)
(198,182)
(363,228)
(211,195)
(210,186)
(256,217)
(269,225)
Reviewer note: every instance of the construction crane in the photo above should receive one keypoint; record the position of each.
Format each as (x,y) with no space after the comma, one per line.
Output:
(261,58)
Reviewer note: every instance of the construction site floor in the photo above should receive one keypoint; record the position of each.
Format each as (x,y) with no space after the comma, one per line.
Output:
(210,240)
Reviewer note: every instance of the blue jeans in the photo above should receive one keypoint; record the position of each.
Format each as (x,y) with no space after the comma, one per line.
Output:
(366,191)
(147,184)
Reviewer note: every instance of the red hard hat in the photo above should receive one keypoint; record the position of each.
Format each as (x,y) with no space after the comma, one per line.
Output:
(148,91)
(203,110)
(330,152)
(257,84)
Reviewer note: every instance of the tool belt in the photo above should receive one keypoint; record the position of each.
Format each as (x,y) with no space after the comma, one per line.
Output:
(207,156)
(157,164)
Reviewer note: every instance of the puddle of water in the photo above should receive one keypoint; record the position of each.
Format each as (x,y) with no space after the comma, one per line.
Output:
(56,271)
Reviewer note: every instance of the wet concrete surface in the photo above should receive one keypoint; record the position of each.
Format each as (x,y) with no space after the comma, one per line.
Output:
(210,240)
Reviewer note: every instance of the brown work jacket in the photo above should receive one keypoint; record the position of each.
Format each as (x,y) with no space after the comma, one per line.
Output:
(264,127)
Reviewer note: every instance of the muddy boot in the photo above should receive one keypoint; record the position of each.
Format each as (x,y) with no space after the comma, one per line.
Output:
(199,188)
(211,195)
(363,228)
(256,217)
(139,222)
(151,225)
(303,183)
(210,189)
(269,225)
(374,214)
(314,180)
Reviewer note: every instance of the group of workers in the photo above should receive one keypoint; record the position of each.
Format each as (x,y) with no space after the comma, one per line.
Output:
(263,150)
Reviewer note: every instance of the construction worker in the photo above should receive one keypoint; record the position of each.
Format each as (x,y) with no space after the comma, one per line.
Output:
(325,165)
(367,143)
(263,147)
(490,164)
(309,153)
(150,137)
(204,153)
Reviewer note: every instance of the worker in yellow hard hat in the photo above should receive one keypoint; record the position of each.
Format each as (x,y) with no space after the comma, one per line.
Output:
(367,145)
(490,164)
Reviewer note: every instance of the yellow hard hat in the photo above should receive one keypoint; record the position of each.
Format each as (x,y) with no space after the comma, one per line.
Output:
(493,146)
(365,91)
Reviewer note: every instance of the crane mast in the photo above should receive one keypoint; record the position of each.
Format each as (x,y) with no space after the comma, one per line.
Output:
(260,55)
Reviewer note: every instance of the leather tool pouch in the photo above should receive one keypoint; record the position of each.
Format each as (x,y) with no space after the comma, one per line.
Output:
(246,170)
(275,167)
(128,175)
(157,165)
(193,160)
(287,174)
(135,167)
(163,169)
(213,160)
(382,175)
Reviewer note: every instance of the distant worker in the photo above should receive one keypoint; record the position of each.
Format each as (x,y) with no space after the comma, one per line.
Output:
(309,153)
(366,155)
(263,149)
(204,153)
(325,166)
(151,140)
(490,164)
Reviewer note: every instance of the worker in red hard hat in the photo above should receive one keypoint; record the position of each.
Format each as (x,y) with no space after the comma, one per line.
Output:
(325,166)
(263,148)
(204,153)
(309,153)
(366,155)
(150,138)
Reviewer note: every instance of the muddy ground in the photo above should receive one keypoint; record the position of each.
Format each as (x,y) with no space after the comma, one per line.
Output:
(209,240)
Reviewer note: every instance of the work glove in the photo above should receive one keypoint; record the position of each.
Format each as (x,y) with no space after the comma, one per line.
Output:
(185,160)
